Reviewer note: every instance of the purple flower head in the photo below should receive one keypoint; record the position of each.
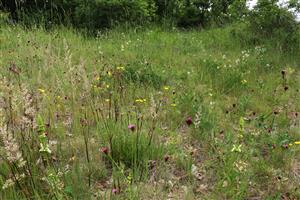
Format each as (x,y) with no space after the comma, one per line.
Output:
(131,127)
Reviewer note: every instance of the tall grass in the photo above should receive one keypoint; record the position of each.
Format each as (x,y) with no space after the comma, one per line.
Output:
(146,114)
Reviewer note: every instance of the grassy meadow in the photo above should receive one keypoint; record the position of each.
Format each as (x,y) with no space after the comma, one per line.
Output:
(147,114)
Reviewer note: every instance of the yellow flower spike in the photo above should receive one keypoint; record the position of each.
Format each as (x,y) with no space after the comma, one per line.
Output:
(109,73)
(173,104)
(297,142)
(42,90)
(291,144)
(107,100)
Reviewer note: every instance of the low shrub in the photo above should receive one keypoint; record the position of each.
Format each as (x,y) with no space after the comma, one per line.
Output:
(269,21)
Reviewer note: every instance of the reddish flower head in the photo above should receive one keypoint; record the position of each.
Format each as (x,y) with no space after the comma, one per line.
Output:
(104,150)
(115,191)
(270,130)
(189,121)
(166,158)
(131,127)
(275,112)
(13,68)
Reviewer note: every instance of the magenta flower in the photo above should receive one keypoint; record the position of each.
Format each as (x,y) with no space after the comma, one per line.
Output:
(131,127)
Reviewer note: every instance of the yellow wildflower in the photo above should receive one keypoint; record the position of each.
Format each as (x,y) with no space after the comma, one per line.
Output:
(244,81)
(41,90)
(121,68)
(166,88)
(297,142)
(140,100)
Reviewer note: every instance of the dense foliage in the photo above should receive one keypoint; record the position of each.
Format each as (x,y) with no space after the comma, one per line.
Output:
(269,21)
(95,14)
(105,13)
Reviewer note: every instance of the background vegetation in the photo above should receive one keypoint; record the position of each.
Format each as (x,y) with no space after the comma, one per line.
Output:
(155,100)
(267,20)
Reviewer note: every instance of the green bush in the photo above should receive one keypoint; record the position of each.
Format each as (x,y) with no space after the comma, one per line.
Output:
(169,10)
(205,13)
(39,12)
(97,14)
(237,11)
(266,20)
(195,13)
(269,21)
(91,14)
